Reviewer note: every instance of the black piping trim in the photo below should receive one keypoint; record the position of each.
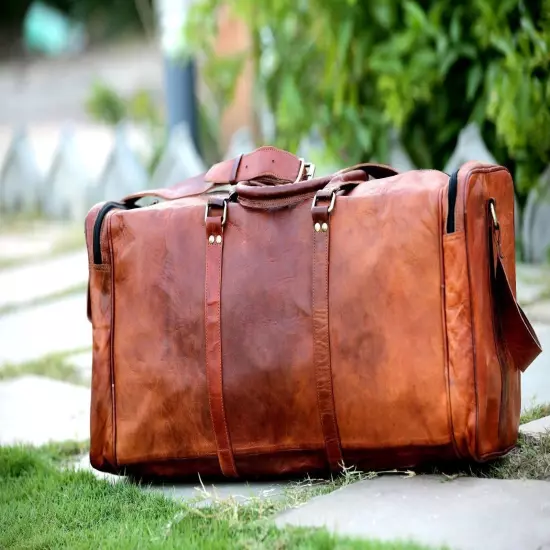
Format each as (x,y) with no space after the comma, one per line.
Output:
(105,209)
(453,188)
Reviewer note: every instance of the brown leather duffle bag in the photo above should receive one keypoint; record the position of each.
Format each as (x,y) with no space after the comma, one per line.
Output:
(259,321)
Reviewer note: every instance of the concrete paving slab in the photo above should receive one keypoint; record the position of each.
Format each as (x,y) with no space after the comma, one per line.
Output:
(207,494)
(535,381)
(34,332)
(83,463)
(23,284)
(464,514)
(532,281)
(538,312)
(35,410)
(195,493)
(82,361)
(38,239)
(536,427)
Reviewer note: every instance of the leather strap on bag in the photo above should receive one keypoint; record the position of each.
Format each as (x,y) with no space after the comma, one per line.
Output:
(214,222)
(321,336)
(513,328)
(264,162)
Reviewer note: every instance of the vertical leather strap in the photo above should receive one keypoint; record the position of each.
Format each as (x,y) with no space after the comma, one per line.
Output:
(212,315)
(321,338)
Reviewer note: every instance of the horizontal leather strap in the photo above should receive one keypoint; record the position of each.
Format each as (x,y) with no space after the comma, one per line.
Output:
(270,163)
(264,162)
(279,171)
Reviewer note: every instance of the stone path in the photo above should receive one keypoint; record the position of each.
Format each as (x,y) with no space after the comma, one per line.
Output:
(38,240)
(24,284)
(465,513)
(35,410)
(83,363)
(536,427)
(34,332)
(535,381)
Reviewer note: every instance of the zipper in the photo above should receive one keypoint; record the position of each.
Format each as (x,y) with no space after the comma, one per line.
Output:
(453,188)
(105,209)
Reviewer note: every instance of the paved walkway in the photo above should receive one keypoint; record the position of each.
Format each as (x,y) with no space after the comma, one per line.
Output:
(24,284)
(464,513)
(34,332)
(36,410)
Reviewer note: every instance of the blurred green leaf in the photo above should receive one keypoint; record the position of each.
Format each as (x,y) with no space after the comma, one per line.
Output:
(356,70)
(474,79)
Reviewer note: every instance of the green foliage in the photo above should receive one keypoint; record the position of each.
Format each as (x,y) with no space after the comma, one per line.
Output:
(107,106)
(354,70)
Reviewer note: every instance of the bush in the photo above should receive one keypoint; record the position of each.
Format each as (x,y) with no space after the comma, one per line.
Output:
(354,70)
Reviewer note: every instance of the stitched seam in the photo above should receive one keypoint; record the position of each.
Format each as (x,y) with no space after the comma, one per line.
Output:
(112,339)
(472,319)
(446,355)
(498,340)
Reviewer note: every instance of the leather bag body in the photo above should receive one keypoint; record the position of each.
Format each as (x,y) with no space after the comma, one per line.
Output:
(301,325)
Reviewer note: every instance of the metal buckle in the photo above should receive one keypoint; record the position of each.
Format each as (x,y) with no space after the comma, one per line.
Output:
(494,214)
(308,168)
(332,201)
(224,214)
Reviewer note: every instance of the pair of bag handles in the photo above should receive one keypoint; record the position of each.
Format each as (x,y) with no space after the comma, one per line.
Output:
(262,171)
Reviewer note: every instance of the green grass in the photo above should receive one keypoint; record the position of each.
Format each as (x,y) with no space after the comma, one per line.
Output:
(56,365)
(535,413)
(530,459)
(43,506)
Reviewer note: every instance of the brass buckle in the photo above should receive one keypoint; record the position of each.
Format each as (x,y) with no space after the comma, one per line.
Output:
(494,214)
(308,168)
(224,214)
(332,201)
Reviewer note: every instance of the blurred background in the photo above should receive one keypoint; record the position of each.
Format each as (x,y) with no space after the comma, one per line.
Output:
(101,98)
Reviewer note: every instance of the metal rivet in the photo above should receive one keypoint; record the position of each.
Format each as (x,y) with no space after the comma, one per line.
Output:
(317,227)
(211,239)
(219,239)
(324,227)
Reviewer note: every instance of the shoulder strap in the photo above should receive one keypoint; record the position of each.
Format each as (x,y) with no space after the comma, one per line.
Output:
(513,327)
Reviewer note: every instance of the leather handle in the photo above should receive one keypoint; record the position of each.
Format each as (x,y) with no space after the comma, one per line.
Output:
(374,170)
(267,163)
(358,174)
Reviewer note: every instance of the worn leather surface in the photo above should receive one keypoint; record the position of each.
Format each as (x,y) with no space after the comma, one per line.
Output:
(321,332)
(213,340)
(385,315)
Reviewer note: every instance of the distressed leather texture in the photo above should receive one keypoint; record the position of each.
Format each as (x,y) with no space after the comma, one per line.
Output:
(300,325)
